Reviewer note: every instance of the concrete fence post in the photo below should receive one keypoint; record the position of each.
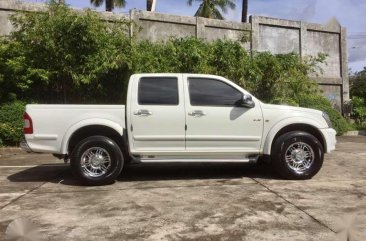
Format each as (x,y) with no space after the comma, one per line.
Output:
(200,28)
(254,33)
(302,43)
(344,65)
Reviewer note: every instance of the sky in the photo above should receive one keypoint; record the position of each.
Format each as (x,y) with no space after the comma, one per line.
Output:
(350,14)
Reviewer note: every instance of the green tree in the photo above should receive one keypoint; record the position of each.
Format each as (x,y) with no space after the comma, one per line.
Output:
(61,55)
(210,8)
(109,4)
(358,84)
(358,94)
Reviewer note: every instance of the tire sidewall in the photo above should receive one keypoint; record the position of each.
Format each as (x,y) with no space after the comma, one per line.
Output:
(114,152)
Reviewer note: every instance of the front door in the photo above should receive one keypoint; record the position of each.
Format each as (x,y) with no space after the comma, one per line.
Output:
(158,114)
(216,122)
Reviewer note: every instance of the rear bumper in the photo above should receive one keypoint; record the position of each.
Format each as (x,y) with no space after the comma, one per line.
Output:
(24,145)
(329,135)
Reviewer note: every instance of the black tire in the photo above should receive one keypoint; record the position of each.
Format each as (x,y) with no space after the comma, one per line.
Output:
(290,139)
(108,146)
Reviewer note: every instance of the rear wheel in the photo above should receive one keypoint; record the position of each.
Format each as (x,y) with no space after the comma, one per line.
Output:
(297,155)
(97,160)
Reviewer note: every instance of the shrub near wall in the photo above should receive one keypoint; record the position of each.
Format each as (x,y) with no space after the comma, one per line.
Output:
(278,79)
(11,123)
(358,94)
(318,102)
(61,56)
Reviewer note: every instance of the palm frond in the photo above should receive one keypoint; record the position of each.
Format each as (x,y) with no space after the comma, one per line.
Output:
(119,3)
(209,8)
(224,4)
(97,3)
(217,14)
(199,12)
(231,5)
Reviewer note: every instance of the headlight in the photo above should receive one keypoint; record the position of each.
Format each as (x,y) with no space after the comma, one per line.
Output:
(327,119)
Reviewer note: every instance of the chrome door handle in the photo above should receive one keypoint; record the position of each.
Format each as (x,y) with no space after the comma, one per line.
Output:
(196,113)
(143,113)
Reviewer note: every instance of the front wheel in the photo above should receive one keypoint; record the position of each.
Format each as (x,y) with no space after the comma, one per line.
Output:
(97,160)
(297,155)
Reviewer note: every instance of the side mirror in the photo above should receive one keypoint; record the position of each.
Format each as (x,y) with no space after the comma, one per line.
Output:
(247,101)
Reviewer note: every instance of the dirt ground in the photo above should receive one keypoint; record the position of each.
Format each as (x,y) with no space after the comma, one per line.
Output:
(181,201)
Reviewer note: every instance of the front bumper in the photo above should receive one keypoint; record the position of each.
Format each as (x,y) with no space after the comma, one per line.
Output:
(329,135)
(24,145)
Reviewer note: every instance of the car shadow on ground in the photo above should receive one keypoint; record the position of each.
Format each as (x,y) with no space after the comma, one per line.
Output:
(150,172)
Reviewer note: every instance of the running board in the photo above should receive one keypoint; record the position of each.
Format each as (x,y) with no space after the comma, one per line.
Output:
(244,160)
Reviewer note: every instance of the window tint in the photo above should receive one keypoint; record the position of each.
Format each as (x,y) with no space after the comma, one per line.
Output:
(210,92)
(158,91)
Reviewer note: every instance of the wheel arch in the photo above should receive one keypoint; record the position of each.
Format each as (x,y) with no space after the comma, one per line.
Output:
(91,127)
(310,127)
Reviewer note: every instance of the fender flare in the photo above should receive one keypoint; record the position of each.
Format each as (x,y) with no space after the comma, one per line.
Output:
(88,122)
(267,145)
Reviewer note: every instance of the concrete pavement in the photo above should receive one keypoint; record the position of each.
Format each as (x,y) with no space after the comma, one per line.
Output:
(198,201)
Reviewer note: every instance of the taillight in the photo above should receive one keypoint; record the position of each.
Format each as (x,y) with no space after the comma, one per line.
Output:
(28,125)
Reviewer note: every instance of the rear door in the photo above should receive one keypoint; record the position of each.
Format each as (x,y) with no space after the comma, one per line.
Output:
(215,120)
(158,114)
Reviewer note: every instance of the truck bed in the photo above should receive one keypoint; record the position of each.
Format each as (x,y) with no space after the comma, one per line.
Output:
(53,124)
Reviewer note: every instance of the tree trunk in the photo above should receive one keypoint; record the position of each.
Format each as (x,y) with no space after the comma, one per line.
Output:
(109,5)
(150,5)
(244,12)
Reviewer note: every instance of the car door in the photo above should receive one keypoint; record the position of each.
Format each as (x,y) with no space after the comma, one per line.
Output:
(157,114)
(215,120)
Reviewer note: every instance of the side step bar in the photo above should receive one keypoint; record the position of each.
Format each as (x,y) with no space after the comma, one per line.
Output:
(243,160)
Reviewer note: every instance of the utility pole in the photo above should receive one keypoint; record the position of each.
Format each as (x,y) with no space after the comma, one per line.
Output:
(150,5)
(244,11)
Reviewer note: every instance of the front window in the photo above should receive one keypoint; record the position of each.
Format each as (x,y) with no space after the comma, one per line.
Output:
(212,92)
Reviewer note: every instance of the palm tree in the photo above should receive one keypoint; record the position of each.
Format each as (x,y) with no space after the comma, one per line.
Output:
(209,8)
(244,11)
(109,4)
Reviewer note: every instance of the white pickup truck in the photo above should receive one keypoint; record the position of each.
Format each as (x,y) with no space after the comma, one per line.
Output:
(176,118)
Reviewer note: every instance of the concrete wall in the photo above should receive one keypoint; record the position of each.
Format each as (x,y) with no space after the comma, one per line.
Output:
(308,39)
(158,26)
(261,34)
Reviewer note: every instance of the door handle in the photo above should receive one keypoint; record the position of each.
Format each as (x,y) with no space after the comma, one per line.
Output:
(143,113)
(196,113)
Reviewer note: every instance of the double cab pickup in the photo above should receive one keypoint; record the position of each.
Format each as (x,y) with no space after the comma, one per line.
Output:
(180,118)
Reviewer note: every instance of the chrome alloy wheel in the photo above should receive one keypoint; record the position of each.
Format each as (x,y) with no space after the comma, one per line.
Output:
(95,162)
(299,157)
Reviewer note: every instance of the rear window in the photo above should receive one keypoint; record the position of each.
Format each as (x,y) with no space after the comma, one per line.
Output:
(158,91)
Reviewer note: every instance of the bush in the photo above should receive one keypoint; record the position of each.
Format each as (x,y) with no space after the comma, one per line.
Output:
(359,112)
(358,84)
(61,56)
(11,123)
(358,93)
(55,56)
(318,102)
